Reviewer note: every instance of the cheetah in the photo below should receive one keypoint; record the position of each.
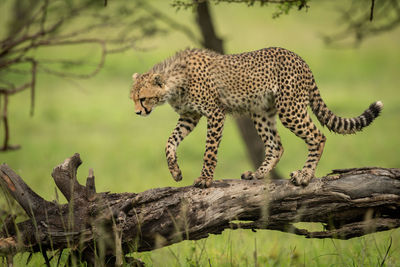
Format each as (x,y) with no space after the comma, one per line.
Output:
(259,84)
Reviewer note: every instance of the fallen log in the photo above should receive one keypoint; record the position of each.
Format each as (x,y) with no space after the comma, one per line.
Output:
(349,203)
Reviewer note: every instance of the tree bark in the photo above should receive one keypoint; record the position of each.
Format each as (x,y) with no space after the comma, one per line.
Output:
(349,203)
(253,143)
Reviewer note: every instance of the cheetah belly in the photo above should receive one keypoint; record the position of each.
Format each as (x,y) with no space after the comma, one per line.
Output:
(247,102)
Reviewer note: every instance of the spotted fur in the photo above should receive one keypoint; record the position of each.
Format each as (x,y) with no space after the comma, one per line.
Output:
(260,84)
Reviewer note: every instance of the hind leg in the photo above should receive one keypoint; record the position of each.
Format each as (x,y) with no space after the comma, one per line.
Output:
(299,122)
(265,125)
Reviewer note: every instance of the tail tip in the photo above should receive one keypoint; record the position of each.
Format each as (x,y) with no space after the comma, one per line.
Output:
(379,104)
(376,108)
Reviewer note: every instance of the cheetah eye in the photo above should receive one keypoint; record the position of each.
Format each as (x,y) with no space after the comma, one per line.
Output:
(141,99)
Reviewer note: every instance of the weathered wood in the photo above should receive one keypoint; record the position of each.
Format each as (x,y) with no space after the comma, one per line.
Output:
(349,203)
(64,176)
(31,202)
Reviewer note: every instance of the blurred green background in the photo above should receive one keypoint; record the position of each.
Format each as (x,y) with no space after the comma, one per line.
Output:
(95,118)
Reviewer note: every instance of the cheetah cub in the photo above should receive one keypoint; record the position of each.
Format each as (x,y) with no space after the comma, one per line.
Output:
(259,84)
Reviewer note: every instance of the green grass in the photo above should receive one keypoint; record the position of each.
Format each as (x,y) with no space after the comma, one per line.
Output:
(97,120)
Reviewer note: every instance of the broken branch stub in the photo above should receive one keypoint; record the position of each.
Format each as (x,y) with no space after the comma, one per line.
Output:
(64,176)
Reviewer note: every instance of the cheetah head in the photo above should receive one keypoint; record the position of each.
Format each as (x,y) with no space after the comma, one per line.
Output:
(148,91)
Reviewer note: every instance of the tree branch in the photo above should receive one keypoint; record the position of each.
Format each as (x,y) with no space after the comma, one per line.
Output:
(31,202)
(349,203)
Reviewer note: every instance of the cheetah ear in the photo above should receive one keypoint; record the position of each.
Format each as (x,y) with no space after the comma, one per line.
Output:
(135,76)
(182,64)
(158,80)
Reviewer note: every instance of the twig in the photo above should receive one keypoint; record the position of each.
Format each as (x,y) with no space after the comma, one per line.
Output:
(6,46)
(358,27)
(5,123)
(7,91)
(98,67)
(33,83)
(372,10)
(171,22)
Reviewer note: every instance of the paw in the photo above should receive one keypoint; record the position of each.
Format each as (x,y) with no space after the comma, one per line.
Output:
(301,177)
(176,174)
(203,182)
(249,175)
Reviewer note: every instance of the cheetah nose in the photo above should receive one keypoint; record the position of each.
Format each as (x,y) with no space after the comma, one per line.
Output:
(139,112)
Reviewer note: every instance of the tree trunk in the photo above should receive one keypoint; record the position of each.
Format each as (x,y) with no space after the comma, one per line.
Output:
(254,145)
(349,203)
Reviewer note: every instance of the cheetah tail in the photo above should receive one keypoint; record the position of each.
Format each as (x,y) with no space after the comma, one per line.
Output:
(338,124)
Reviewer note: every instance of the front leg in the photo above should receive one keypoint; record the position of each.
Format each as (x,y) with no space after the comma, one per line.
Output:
(215,125)
(185,125)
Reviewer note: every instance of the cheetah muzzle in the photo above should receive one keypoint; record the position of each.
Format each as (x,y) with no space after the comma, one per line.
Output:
(263,84)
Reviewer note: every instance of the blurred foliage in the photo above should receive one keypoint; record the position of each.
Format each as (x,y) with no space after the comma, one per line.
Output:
(55,26)
(364,19)
(281,6)
(33,25)
(358,19)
